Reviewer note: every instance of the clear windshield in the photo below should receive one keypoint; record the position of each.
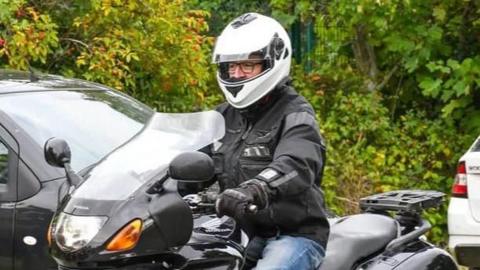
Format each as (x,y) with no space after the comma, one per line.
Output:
(92,122)
(149,153)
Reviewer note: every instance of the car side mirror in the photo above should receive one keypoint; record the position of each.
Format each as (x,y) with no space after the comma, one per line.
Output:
(192,167)
(57,152)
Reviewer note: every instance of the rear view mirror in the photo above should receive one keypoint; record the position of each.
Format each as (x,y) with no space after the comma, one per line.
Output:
(192,167)
(57,152)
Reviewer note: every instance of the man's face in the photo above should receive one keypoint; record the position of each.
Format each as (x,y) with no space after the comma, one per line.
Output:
(244,69)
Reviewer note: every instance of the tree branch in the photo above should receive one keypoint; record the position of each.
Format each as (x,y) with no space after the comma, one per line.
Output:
(387,77)
(76,41)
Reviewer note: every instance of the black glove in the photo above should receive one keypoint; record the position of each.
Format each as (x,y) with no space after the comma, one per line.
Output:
(234,202)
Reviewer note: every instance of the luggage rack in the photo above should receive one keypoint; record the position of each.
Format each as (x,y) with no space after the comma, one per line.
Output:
(413,201)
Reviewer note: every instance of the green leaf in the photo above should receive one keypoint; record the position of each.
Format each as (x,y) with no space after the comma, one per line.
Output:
(454,105)
(461,88)
(453,64)
(435,33)
(430,86)
(411,64)
(439,13)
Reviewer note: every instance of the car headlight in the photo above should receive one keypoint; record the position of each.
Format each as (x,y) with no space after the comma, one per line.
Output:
(75,232)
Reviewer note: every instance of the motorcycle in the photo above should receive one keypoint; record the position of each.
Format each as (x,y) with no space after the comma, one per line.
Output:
(126,212)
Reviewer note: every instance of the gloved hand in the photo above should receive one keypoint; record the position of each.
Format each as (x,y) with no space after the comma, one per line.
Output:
(233,202)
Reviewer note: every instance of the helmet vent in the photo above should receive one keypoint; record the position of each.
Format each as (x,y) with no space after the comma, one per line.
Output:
(286,54)
(234,89)
(278,46)
(243,20)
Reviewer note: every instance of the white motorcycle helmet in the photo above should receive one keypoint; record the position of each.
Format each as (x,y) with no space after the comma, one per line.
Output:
(252,36)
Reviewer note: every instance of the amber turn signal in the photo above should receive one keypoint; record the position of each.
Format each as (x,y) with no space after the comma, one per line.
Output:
(127,237)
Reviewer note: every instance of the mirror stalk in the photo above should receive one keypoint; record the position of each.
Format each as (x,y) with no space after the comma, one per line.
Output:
(72,177)
(157,187)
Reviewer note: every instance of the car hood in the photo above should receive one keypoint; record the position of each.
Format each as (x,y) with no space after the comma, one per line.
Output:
(149,153)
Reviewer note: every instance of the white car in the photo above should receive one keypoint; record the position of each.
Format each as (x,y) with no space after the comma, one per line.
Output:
(464,210)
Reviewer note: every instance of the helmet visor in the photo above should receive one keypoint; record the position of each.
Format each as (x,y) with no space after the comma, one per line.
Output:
(258,55)
(266,56)
(273,50)
(253,62)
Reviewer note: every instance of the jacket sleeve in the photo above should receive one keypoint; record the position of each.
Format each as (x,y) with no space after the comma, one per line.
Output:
(299,156)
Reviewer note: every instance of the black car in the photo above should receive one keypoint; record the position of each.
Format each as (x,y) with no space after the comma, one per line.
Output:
(94,119)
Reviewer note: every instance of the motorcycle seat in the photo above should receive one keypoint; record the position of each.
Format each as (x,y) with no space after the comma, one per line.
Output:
(355,237)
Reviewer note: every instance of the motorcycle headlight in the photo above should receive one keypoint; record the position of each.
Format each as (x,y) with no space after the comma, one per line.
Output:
(75,232)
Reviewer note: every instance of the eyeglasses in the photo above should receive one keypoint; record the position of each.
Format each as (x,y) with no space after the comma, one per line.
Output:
(246,67)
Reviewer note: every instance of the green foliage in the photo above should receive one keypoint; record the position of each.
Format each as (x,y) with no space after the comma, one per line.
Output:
(403,48)
(289,11)
(26,35)
(453,83)
(368,153)
(223,11)
(153,50)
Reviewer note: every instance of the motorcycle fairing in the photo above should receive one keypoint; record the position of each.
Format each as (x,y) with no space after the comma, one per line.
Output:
(116,188)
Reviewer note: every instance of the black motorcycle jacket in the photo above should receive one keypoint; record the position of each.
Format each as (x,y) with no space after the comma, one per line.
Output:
(282,135)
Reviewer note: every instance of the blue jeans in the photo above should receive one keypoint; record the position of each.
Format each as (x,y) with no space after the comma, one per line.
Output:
(287,252)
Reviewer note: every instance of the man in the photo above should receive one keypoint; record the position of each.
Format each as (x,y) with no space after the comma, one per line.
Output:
(270,163)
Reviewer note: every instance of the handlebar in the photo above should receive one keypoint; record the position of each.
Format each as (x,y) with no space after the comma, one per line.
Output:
(206,200)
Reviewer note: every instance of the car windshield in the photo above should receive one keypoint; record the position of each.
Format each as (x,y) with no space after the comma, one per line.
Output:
(92,122)
(148,155)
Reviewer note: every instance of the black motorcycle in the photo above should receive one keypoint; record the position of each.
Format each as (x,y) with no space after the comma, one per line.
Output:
(126,211)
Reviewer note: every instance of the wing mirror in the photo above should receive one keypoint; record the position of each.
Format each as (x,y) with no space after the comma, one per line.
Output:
(57,152)
(192,167)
